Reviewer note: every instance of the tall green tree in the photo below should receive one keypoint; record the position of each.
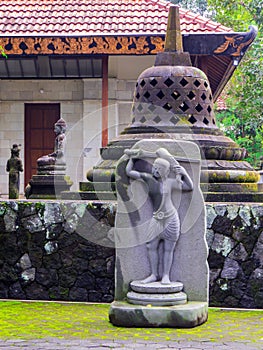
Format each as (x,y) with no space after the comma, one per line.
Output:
(237,13)
(198,6)
(243,119)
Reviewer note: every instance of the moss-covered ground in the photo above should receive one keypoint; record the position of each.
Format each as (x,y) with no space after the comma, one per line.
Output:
(32,320)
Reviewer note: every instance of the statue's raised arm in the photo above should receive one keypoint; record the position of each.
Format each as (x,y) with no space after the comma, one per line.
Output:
(136,154)
(177,169)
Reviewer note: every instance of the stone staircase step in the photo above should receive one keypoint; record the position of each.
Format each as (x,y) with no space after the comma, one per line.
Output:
(89,195)
(233,197)
(89,186)
(230,187)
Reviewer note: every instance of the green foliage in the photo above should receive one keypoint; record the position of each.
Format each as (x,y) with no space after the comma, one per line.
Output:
(2,52)
(248,134)
(237,14)
(245,90)
(198,6)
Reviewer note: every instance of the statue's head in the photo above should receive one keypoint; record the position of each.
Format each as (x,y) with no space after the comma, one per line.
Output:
(15,150)
(60,126)
(161,168)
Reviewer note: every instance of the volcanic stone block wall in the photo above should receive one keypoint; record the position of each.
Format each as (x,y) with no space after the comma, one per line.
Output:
(43,257)
(64,251)
(235,240)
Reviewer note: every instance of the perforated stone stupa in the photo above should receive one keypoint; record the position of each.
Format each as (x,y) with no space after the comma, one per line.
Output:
(173,100)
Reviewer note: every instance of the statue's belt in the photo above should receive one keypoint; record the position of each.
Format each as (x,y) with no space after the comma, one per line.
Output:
(160,215)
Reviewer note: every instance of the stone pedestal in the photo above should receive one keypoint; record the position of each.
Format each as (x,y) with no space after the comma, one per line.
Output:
(156,294)
(188,315)
(51,179)
(47,186)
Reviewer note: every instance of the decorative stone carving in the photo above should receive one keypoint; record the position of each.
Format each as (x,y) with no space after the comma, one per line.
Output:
(51,178)
(54,163)
(14,166)
(167,175)
(161,268)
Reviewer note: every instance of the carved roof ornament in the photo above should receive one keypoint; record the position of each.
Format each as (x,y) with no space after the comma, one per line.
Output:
(236,45)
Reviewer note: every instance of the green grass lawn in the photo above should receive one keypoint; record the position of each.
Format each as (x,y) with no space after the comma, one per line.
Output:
(31,320)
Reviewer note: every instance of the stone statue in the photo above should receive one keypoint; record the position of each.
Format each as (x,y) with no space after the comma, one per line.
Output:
(55,162)
(14,166)
(51,178)
(167,175)
(59,129)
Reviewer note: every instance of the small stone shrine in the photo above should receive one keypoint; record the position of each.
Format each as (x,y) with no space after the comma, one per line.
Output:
(14,166)
(161,277)
(51,178)
(173,99)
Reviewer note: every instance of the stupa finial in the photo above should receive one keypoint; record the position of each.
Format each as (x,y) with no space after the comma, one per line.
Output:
(173,39)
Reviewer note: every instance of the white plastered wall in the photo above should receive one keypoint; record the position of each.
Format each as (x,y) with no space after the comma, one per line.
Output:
(11,131)
(123,74)
(13,96)
(80,104)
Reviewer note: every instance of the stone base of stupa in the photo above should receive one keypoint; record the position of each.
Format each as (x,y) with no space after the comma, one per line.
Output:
(189,315)
(47,186)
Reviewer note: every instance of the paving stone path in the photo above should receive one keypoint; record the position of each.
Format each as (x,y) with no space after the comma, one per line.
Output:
(80,344)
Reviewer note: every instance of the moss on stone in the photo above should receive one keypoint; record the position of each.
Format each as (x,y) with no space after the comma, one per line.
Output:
(33,320)
(40,207)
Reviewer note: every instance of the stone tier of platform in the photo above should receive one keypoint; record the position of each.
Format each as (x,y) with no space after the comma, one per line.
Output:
(188,315)
(47,186)
(156,294)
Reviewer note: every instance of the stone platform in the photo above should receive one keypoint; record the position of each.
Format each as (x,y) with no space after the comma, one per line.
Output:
(156,294)
(188,315)
(47,186)
(156,287)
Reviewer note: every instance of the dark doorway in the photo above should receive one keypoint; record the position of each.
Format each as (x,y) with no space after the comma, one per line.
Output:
(39,133)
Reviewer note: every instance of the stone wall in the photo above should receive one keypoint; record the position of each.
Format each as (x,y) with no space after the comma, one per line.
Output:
(235,240)
(64,251)
(43,257)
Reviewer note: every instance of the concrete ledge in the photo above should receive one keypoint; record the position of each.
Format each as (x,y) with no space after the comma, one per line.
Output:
(189,315)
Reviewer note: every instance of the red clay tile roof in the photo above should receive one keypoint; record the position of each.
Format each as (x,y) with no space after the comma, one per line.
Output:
(221,103)
(95,17)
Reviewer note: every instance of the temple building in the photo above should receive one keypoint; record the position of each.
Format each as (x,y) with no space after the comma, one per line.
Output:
(80,60)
